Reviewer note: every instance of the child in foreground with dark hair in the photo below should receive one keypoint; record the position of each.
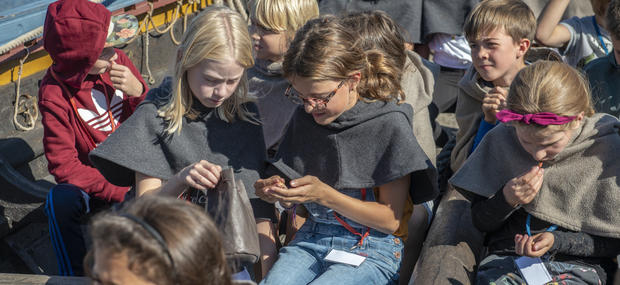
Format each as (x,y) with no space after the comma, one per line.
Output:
(545,183)
(156,240)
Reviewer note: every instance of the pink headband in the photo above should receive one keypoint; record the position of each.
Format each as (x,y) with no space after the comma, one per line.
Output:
(543,119)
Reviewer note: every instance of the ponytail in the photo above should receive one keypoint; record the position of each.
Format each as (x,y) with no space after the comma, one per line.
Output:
(381,80)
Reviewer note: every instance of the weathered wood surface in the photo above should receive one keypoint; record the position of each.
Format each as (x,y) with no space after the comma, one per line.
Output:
(30,279)
(453,245)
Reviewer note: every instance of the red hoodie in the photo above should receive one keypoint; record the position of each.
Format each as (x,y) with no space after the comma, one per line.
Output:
(74,35)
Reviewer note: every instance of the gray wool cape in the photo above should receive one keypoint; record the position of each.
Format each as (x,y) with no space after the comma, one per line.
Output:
(367,146)
(580,190)
(418,84)
(408,14)
(267,85)
(140,145)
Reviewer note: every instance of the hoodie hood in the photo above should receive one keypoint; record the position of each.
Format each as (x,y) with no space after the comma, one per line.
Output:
(74,35)
(473,85)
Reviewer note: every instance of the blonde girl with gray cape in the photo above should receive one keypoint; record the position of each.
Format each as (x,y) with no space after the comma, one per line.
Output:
(195,123)
(352,161)
(274,24)
(545,183)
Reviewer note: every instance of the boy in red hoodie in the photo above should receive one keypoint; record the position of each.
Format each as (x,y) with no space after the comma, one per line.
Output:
(88,91)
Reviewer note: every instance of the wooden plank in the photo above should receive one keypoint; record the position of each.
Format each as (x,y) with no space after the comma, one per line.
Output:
(31,279)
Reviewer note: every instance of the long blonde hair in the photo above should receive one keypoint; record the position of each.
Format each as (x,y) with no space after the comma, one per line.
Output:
(217,33)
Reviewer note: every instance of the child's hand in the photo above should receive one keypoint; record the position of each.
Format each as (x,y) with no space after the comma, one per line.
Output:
(533,246)
(201,175)
(263,188)
(124,80)
(523,189)
(493,102)
(305,189)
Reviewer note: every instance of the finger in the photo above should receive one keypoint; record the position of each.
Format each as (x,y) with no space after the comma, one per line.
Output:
(118,67)
(287,193)
(519,244)
(533,172)
(308,179)
(201,177)
(192,183)
(116,73)
(214,169)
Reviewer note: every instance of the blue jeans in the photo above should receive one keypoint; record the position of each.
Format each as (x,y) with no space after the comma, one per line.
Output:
(302,261)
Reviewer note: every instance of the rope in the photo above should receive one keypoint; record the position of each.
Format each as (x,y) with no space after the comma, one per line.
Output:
(150,79)
(31,117)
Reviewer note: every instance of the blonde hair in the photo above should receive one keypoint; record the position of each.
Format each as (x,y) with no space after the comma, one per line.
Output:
(217,33)
(599,6)
(514,16)
(323,49)
(284,15)
(550,86)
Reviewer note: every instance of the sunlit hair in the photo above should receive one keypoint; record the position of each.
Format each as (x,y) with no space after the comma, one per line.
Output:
(514,16)
(192,239)
(600,6)
(613,19)
(377,31)
(550,86)
(217,33)
(283,15)
(324,49)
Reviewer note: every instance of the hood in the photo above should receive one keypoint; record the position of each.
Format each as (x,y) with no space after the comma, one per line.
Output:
(473,85)
(365,111)
(417,82)
(74,35)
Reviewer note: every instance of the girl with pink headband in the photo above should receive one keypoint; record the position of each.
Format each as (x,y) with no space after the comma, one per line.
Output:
(544,184)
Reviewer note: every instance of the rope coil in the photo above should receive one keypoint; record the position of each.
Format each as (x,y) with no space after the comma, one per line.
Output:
(27,107)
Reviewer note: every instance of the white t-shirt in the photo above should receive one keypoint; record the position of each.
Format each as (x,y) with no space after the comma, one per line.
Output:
(450,50)
(584,44)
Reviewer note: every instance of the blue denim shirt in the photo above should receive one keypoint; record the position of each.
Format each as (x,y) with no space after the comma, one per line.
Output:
(321,214)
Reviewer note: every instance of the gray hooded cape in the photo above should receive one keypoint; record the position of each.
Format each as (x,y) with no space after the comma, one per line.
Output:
(367,146)
(140,144)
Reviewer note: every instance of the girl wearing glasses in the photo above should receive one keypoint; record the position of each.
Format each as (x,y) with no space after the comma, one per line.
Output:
(353,142)
(197,122)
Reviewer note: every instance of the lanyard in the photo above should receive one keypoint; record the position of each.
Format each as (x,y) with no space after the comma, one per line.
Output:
(527,226)
(598,34)
(350,228)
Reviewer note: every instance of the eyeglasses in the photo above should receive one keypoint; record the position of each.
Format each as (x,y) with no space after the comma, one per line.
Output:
(318,103)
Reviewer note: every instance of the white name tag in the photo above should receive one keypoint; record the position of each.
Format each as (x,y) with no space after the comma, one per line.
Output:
(533,270)
(340,256)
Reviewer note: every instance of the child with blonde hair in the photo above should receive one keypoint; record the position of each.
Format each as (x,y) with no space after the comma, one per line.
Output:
(197,122)
(581,40)
(352,161)
(545,183)
(274,23)
(499,34)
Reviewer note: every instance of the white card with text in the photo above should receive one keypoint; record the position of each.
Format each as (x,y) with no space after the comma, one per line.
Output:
(533,270)
(341,256)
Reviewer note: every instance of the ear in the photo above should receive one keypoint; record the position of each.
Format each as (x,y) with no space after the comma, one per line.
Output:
(579,119)
(524,46)
(354,79)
